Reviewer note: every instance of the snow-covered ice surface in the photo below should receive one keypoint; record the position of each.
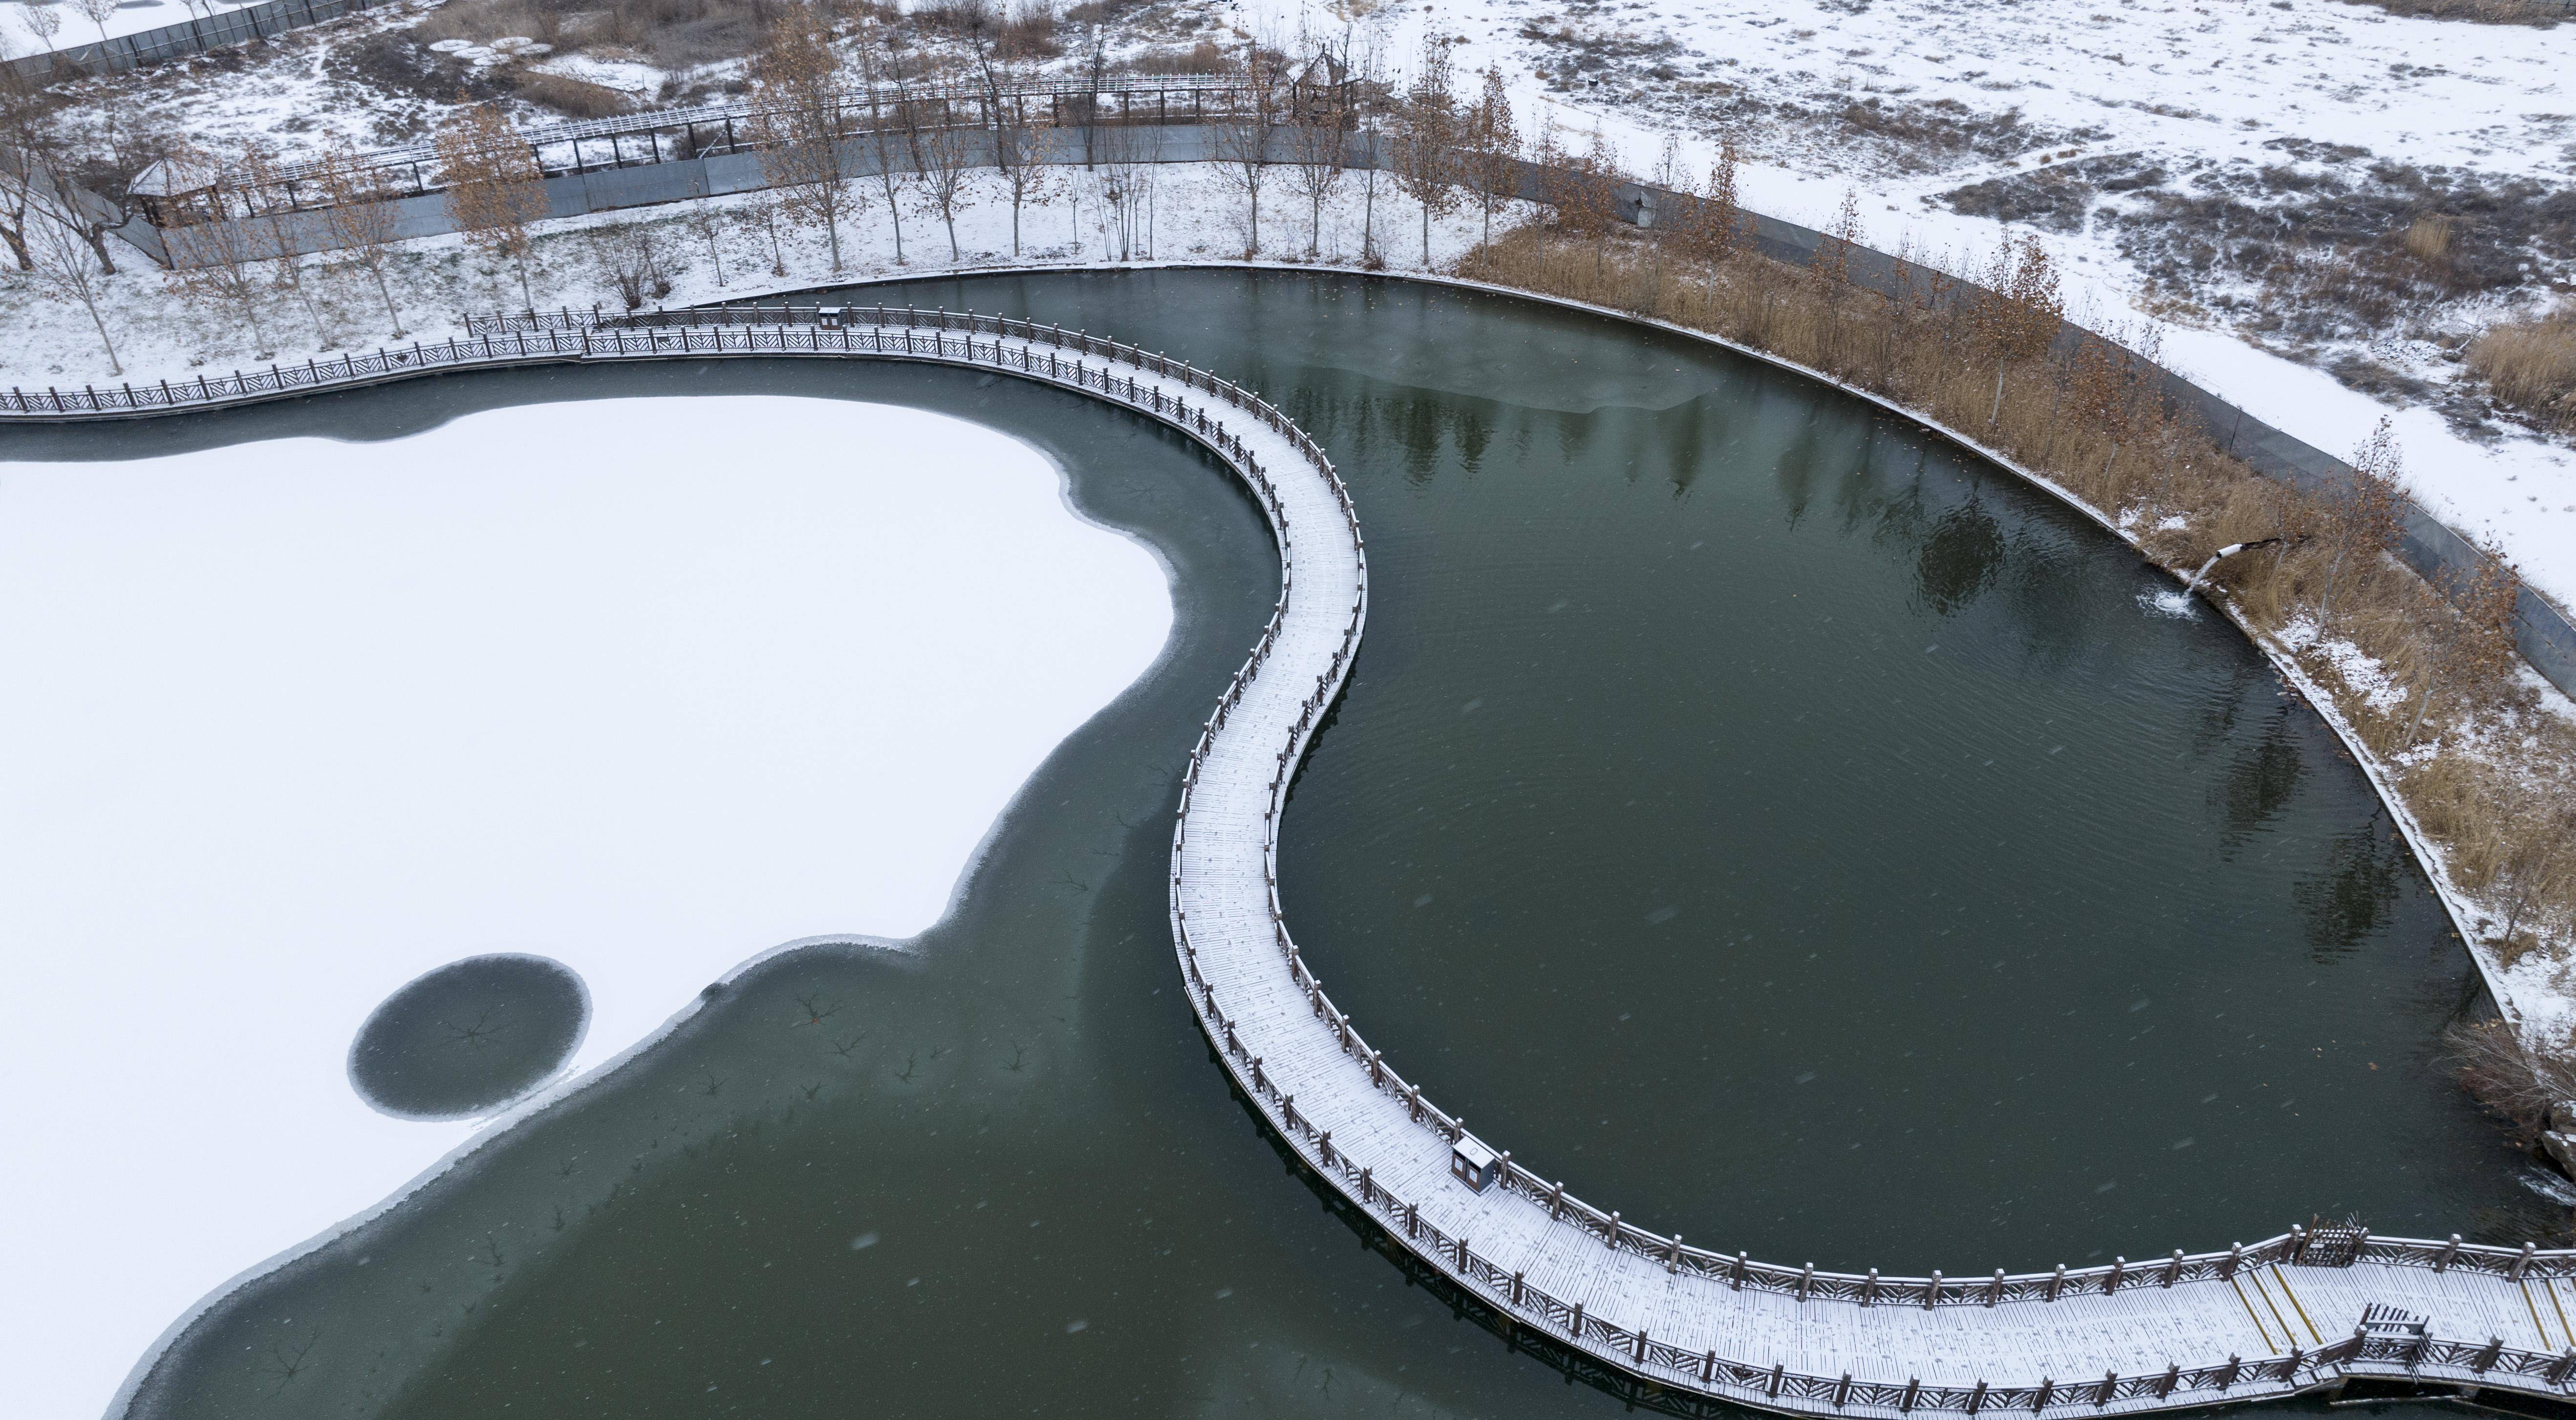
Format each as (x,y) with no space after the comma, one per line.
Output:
(647,686)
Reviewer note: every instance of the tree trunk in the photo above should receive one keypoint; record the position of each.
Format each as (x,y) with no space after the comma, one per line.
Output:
(2423,703)
(377,268)
(1998,409)
(96,236)
(2327,600)
(114,366)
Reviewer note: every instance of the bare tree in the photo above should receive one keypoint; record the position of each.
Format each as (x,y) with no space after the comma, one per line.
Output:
(763,209)
(707,221)
(361,217)
(43,23)
(1123,190)
(494,187)
(1317,132)
(1715,225)
(1491,150)
(1558,183)
(879,65)
(1019,165)
(214,266)
(27,142)
(61,268)
(1364,60)
(1586,194)
(2362,513)
(98,12)
(279,235)
(1829,270)
(1241,140)
(2018,312)
(946,158)
(1315,143)
(630,257)
(1427,131)
(1019,143)
(800,127)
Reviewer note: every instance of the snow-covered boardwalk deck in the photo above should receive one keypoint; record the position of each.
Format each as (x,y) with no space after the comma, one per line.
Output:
(1680,1325)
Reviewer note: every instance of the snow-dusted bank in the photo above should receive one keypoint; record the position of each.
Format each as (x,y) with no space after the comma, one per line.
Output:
(646,686)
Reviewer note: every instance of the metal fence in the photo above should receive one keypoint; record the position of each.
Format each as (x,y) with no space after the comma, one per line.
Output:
(193,36)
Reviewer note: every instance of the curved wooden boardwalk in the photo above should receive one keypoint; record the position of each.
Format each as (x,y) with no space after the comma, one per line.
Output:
(1682,1327)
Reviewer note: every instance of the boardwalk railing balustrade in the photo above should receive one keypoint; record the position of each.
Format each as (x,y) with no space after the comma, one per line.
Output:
(1279,1033)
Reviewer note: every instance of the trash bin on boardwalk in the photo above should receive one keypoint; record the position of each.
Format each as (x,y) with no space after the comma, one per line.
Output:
(1472,1164)
(831,317)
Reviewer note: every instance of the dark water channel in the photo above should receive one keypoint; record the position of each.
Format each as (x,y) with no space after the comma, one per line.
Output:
(1783,828)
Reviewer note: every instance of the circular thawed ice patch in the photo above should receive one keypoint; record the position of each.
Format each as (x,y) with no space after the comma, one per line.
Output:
(469,1037)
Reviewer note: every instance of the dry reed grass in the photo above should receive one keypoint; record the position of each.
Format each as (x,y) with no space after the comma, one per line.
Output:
(2497,800)
(2531,366)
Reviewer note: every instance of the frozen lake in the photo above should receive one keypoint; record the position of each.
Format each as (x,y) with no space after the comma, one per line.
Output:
(647,686)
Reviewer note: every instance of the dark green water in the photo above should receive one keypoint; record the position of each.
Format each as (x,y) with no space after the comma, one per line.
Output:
(469,1036)
(1753,812)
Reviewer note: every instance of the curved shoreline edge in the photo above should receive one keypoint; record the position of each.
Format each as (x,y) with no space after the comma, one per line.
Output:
(1691,1322)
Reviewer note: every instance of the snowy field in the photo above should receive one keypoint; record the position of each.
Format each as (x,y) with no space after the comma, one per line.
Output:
(75,29)
(648,686)
(2204,97)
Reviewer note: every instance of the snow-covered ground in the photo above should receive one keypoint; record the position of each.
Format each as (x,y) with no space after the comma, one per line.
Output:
(648,687)
(76,29)
(2205,96)
(2130,135)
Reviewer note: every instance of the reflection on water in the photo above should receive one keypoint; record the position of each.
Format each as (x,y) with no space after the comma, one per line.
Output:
(2366,876)
(1786,831)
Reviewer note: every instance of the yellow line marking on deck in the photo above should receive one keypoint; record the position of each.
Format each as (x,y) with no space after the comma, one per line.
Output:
(2288,1331)
(2259,1328)
(2296,1303)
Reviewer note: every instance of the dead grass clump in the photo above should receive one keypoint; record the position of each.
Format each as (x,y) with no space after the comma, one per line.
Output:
(576,98)
(2520,1085)
(2428,239)
(483,21)
(2531,366)
(1201,58)
(1026,30)
(2540,14)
